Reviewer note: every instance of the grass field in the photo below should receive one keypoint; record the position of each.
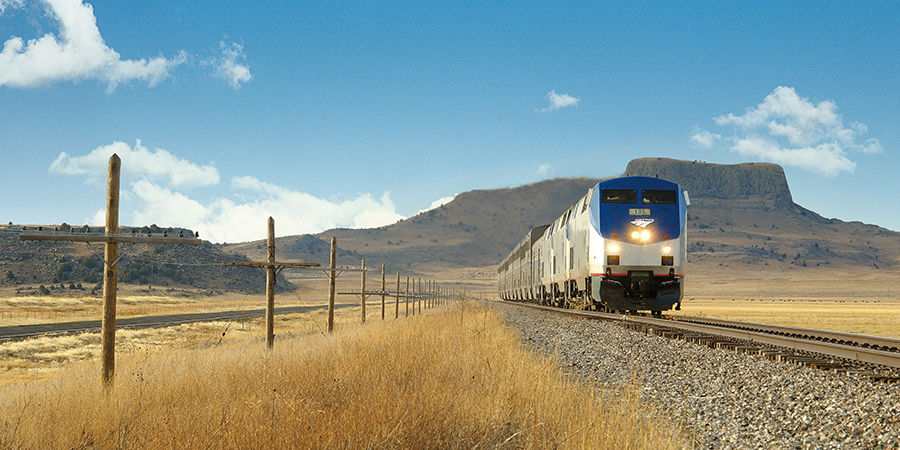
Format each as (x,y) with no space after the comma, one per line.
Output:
(860,301)
(455,377)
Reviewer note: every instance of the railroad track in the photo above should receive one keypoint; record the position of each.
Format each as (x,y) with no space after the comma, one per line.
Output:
(19,332)
(872,356)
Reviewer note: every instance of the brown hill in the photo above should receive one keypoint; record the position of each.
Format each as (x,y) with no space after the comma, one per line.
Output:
(741,215)
(77,268)
(476,229)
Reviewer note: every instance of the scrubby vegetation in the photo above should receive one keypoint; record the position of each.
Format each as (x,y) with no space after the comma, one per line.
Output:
(457,379)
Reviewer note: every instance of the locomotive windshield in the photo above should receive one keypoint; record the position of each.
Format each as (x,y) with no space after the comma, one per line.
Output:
(653,197)
(620,196)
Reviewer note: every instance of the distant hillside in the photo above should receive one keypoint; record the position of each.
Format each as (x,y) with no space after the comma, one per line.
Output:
(744,214)
(740,214)
(476,229)
(64,266)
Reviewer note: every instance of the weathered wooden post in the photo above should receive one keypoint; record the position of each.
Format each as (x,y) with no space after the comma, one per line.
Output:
(383,287)
(110,274)
(419,300)
(397,299)
(332,275)
(111,239)
(362,293)
(272,269)
(407,296)
(270,284)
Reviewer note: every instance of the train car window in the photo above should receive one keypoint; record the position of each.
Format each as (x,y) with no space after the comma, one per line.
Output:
(619,196)
(654,197)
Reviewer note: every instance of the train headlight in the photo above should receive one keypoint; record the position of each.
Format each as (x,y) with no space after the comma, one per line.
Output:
(645,235)
(613,248)
(635,234)
(667,249)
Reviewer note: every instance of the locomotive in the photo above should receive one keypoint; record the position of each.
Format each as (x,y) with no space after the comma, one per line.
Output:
(620,248)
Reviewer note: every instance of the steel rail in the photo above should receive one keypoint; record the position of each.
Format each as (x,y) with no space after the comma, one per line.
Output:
(844,351)
(837,337)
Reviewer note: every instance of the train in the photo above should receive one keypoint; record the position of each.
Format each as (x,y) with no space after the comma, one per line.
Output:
(620,248)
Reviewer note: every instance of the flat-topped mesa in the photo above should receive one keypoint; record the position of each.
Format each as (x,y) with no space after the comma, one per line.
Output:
(743,186)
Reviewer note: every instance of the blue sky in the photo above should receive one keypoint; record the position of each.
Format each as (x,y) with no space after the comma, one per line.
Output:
(358,114)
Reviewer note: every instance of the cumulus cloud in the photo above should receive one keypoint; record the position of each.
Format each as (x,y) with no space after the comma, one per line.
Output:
(790,130)
(243,217)
(227,67)
(156,165)
(438,203)
(559,101)
(77,53)
(156,196)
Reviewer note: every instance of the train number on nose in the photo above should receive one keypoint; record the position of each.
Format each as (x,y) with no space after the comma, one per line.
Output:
(638,211)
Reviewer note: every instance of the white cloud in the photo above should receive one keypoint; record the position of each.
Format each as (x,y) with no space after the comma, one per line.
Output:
(11,4)
(545,169)
(77,53)
(244,217)
(158,165)
(227,66)
(791,130)
(438,203)
(704,139)
(559,101)
(153,197)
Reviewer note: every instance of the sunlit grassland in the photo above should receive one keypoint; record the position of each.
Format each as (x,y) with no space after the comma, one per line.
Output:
(453,378)
(861,301)
(43,356)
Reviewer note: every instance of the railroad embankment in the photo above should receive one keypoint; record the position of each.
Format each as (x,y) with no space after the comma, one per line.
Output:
(722,398)
(452,378)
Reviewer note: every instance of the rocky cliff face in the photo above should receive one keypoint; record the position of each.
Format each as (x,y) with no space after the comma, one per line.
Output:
(745,186)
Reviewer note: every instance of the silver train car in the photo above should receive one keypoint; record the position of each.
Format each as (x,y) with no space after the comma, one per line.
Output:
(620,248)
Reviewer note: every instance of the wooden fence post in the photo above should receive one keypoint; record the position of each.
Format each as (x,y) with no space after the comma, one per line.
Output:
(382,291)
(362,293)
(407,296)
(270,284)
(397,299)
(110,275)
(332,276)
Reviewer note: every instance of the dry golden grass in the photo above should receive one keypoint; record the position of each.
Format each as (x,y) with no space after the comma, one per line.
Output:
(453,378)
(875,318)
(861,301)
(43,356)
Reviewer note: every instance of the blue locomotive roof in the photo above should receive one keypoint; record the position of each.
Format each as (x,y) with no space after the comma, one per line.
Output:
(639,203)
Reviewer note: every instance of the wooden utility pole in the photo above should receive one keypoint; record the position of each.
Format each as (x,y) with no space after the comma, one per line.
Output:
(272,269)
(333,271)
(111,238)
(110,272)
(383,291)
(362,293)
(270,283)
(331,284)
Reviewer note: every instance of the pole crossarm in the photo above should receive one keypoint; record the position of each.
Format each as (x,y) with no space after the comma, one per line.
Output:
(110,258)
(107,238)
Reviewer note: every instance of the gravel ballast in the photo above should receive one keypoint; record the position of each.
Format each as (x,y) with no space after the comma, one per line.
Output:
(725,400)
